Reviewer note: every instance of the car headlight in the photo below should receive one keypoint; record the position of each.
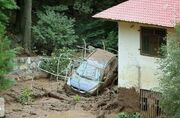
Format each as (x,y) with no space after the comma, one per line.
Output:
(94,89)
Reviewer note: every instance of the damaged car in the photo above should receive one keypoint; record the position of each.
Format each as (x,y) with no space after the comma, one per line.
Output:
(95,73)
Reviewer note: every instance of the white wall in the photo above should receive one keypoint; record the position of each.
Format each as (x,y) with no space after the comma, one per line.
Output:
(135,70)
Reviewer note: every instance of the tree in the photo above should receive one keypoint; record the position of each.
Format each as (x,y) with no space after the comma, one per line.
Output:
(27,25)
(23,23)
(170,80)
(86,27)
(53,31)
(6,54)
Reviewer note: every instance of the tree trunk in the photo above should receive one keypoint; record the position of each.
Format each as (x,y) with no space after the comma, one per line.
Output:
(27,21)
(19,16)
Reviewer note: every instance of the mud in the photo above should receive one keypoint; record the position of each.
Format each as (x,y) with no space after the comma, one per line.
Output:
(50,100)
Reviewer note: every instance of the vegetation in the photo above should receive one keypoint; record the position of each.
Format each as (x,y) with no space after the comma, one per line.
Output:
(127,115)
(170,80)
(6,54)
(77,98)
(25,96)
(58,62)
(53,31)
(58,24)
(6,83)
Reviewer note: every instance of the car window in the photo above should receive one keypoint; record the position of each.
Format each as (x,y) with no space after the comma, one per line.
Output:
(89,71)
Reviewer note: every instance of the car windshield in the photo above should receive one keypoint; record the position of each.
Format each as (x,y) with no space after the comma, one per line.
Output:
(89,71)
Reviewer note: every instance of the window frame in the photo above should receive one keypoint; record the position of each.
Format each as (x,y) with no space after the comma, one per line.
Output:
(143,53)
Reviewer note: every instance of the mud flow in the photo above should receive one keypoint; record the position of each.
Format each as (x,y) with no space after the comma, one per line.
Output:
(51,100)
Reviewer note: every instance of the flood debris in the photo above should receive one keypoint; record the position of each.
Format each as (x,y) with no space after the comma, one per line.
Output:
(47,100)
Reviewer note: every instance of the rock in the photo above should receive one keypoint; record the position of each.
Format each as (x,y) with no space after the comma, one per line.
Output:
(2,108)
(33,65)
(17,110)
(33,113)
(23,67)
(101,114)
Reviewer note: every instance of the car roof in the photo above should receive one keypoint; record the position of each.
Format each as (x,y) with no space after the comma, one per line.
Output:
(100,58)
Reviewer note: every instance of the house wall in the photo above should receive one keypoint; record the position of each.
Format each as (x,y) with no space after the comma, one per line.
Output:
(135,70)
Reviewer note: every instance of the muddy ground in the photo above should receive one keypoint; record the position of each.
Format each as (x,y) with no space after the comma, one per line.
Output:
(51,100)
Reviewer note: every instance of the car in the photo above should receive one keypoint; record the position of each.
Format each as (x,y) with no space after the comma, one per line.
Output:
(95,73)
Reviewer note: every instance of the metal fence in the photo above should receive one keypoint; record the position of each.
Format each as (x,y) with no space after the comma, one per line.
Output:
(149,104)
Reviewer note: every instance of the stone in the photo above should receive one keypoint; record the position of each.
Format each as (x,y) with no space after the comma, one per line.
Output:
(33,65)
(2,108)
(28,60)
(23,67)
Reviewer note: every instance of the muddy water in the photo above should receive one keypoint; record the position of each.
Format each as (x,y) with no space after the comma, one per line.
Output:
(72,114)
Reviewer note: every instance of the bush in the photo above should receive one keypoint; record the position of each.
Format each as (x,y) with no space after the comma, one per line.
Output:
(77,98)
(6,83)
(127,115)
(170,80)
(6,62)
(112,40)
(6,54)
(25,96)
(53,31)
(51,64)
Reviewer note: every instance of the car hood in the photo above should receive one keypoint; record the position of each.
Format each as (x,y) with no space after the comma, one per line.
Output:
(81,83)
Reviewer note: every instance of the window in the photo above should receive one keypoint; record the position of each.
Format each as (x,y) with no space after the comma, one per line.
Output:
(151,41)
(158,109)
(144,104)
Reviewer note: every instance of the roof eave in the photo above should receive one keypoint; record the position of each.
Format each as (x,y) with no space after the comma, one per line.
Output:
(121,20)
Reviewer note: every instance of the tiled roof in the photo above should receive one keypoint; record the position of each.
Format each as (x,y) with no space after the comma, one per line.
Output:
(156,12)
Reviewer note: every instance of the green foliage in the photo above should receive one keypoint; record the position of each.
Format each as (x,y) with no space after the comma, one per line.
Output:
(94,31)
(112,40)
(53,31)
(5,4)
(6,83)
(6,54)
(26,96)
(83,6)
(170,80)
(51,65)
(77,98)
(127,115)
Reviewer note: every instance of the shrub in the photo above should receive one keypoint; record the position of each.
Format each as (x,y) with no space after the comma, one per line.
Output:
(6,83)
(77,98)
(53,31)
(127,115)
(170,80)
(6,62)
(6,54)
(112,40)
(51,64)
(25,96)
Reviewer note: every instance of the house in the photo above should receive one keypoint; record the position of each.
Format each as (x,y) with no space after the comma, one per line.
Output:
(143,26)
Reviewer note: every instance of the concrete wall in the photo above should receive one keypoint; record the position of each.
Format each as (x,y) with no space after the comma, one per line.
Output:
(135,70)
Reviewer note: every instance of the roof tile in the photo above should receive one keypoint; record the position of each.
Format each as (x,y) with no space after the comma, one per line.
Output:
(157,12)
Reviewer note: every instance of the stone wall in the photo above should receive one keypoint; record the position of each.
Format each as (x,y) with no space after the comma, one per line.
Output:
(26,68)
